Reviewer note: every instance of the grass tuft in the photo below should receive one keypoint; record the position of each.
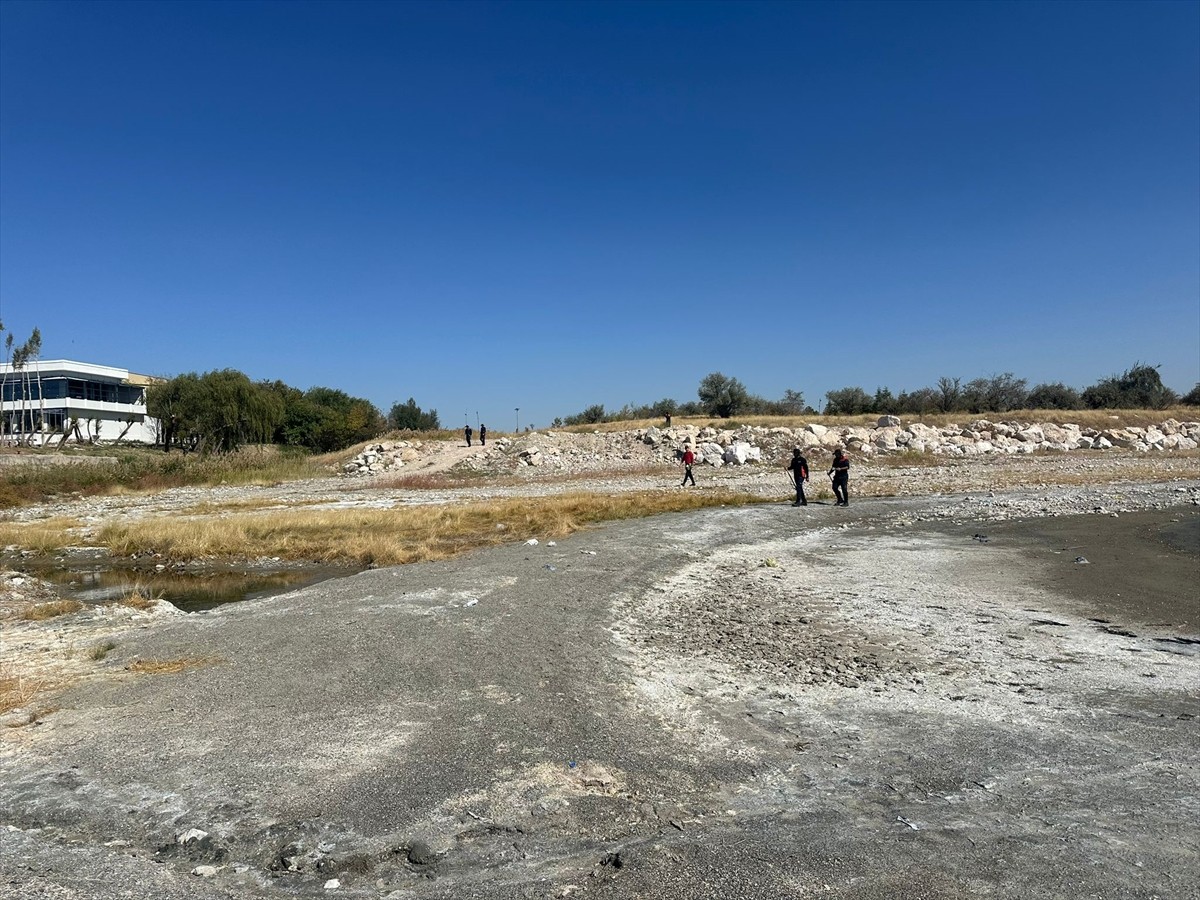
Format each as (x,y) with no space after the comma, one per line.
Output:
(99,651)
(52,610)
(170,666)
(137,599)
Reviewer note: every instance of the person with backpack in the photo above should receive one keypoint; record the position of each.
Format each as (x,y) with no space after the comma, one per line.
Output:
(798,468)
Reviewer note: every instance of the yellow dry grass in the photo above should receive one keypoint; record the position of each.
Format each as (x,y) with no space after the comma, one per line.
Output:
(39,612)
(395,536)
(169,666)
(17,691)
(41,536)
(138,598)
(212,508)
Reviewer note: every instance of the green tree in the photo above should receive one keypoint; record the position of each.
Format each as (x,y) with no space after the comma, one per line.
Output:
(1139,387)
(1192,397)
(410,417)
(1054,396)
(792,403)
(217,412)
(722,396)
(848,401)
(996,393)
(950,392)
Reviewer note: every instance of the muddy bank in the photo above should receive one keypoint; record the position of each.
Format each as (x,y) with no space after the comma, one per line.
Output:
(1141,568)
(761,702)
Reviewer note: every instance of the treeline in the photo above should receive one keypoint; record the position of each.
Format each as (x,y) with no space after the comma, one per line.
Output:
(220,411)
(1139,387)
(718,395)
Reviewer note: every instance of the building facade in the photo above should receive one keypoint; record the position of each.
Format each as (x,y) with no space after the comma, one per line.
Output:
(43,400)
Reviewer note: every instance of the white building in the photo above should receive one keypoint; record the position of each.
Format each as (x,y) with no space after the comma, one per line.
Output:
(43,399)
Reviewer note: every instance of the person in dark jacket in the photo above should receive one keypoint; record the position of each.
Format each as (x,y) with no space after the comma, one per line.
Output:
(467,433)
(483,435)
(840,470)
(799,470)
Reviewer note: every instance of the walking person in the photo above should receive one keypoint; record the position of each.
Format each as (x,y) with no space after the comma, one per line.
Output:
(467,431)
(482,435)
(798,468)
(689,460)
(840,470)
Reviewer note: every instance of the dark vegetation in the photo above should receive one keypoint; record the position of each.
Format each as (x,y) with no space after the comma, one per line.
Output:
(1139,387)
(220,411)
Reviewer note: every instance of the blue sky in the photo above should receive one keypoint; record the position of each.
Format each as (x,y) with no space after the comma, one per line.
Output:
(550,205)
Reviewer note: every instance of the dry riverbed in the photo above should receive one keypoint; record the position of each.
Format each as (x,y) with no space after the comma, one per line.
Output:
(988,692)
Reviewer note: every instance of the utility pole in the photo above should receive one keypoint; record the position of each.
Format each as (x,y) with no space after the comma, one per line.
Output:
(518,410)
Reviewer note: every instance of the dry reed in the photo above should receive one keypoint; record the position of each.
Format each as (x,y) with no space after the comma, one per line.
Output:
(395,536)
(39,612)
(169,666)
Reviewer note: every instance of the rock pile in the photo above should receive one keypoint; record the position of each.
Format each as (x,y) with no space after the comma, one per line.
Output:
(617,451)
(980,437)
(385,457)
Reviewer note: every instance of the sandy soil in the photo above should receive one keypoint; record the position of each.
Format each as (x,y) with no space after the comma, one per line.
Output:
(985,694)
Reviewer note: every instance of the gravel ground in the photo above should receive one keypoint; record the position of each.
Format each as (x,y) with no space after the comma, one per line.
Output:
(990,693)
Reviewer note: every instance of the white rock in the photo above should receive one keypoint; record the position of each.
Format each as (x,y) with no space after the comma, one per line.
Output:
(888,421)
(205,871)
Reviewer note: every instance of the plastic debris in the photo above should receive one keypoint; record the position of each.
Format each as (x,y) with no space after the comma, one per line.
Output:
(471,602)
(532,542)
(551,543)
(550,567)
(1081,560)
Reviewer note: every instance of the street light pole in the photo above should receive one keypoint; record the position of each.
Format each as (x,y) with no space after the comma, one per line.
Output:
(518,411)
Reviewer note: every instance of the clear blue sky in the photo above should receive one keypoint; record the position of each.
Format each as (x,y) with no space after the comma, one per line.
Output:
(550,205)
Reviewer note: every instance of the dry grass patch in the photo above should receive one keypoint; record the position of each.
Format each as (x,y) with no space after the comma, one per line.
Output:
(138,598)
(396,536)
(41,536)
(170,666)
(17,692)
(101,650)
(39,612)
(212,508)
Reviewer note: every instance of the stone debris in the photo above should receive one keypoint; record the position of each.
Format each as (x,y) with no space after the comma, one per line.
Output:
(748,445)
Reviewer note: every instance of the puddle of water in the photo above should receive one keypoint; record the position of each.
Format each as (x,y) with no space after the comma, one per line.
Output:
(189,591)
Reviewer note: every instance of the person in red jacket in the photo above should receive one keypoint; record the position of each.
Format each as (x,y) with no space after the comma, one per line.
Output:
(689,459)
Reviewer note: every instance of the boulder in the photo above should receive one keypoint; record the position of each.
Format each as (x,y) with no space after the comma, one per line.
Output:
(888,422)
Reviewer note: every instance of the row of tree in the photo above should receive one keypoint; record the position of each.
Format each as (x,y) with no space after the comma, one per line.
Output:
(17,385)
(222,410)
(1139,387)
